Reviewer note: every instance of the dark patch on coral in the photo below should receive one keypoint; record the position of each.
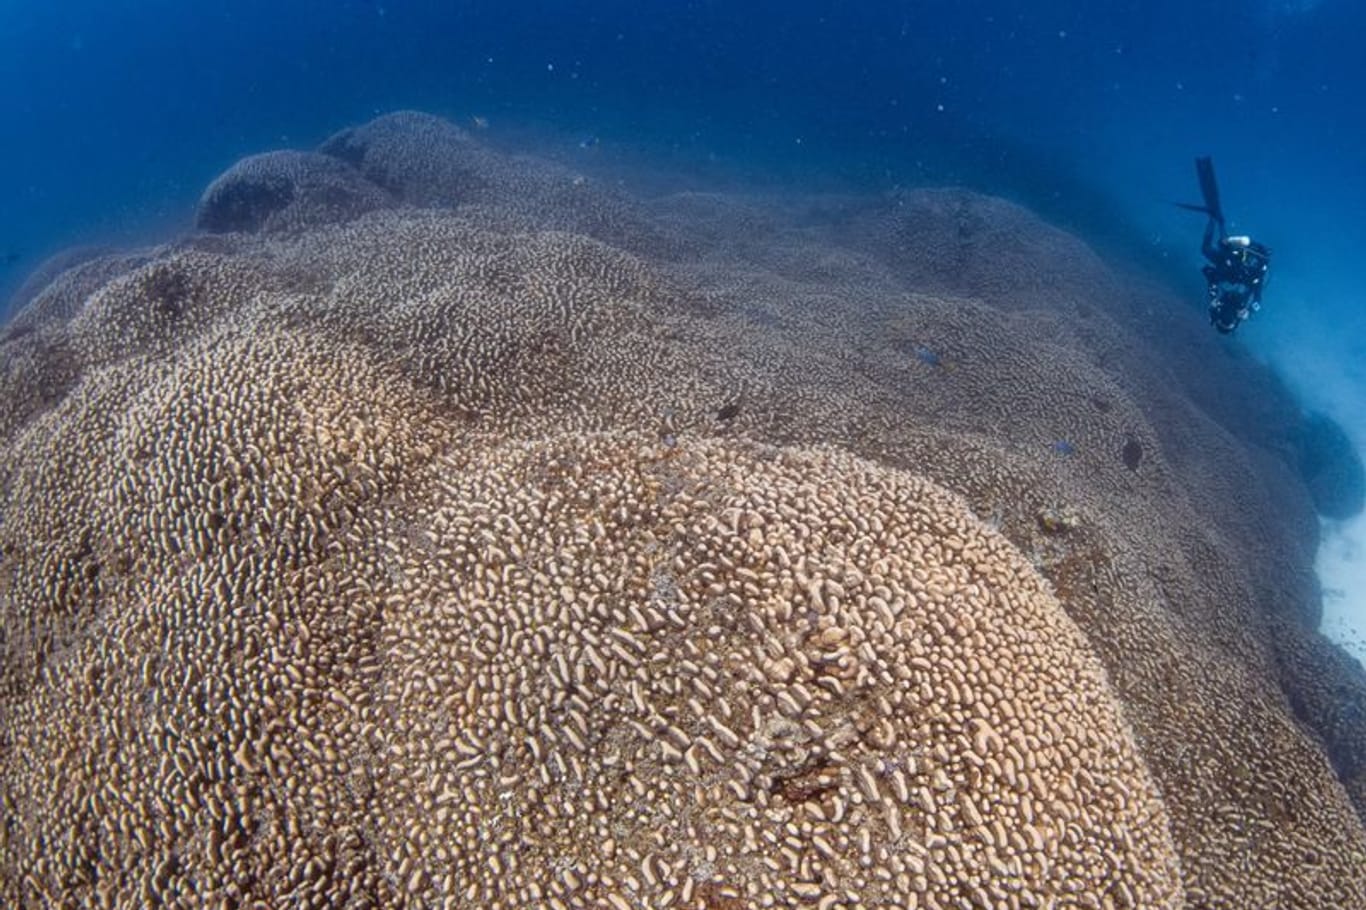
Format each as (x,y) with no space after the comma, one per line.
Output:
(245,205)
(1326,688)
(728,412)
(1132,453)
(809,782)
(346,146)
(286,190)
(714,896)
(168,291)
(57,367)
(300,279)
(1330,467)
(1074,575)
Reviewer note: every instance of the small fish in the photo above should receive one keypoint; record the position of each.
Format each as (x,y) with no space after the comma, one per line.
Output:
(10,257)
(1132,453)
(926,356)
(1063,447)
(480,123)
(729,411)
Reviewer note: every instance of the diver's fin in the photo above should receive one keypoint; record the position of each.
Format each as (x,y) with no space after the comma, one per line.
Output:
(1209,188)
(1194,208)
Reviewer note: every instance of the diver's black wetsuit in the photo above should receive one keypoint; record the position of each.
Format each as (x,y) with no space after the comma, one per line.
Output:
(1235,276)
(1236,273)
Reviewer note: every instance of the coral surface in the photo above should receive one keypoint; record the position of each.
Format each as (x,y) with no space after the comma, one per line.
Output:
(447,528)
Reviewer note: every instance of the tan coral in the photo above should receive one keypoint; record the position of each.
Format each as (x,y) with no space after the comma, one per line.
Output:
(505,697)
(249,612)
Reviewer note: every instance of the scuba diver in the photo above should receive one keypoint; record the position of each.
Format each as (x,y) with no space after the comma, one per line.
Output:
(1236,273)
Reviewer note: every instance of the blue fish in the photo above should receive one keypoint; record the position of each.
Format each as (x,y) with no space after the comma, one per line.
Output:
(1063,447)
(925,355)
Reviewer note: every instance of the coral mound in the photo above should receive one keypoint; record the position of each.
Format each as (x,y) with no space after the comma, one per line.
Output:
(735,675)
(283,190)
(449,529)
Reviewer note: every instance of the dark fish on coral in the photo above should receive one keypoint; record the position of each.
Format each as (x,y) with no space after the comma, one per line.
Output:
(728,412)
(1132,453)
(1056,519)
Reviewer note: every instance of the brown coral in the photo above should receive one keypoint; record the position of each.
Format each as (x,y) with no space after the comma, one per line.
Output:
(432,553)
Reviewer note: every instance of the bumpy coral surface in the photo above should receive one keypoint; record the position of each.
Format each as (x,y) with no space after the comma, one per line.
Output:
(447,530)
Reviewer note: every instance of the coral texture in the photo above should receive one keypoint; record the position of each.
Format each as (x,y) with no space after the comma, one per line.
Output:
(493,538)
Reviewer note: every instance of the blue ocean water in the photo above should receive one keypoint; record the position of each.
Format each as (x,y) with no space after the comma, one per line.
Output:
(116,115)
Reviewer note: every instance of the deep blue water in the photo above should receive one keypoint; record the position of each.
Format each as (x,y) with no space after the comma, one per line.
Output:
(116,115)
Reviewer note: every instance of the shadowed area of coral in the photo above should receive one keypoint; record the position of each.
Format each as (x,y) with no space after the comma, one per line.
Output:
(446,527)
(1331,467)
